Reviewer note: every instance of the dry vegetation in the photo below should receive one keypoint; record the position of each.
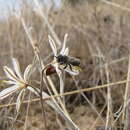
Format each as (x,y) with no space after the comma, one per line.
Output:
(98,34)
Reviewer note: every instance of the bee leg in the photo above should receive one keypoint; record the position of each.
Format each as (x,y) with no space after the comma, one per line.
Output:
(70,67)
(65,66)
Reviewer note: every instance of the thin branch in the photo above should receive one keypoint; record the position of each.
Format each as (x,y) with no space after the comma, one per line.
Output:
(116,5)
(47,22)
(71,92)
(109,103)
(126,114)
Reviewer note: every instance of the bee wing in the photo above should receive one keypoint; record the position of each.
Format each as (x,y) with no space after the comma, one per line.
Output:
(64,45)
(52,44)
(66,52)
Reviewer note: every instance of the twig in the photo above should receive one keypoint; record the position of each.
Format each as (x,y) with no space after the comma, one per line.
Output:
(46,22)
(116,5)
(33,42)
(71,92)
(26,119)
(89,102)
(126,114)
(92,127)
(36,51)
(108,99)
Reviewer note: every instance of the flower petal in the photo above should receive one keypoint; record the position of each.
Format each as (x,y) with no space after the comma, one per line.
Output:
(27,72)
(10,82)
(53,46)
(33,90)
(17,68)
(74,71)
(60,75)
(8,91)
(19,100)
(64,45)
(57,69)
(10,74)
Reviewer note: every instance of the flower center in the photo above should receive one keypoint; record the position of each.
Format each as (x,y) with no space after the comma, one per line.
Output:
(23,85)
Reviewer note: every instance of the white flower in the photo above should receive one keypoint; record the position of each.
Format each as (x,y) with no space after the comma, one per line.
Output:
(64,52)
(17,82)
(60,62)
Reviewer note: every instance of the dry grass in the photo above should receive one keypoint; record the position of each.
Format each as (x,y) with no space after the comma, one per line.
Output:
(99,36)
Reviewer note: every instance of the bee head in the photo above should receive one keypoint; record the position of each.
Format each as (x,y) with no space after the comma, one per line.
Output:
(61,58)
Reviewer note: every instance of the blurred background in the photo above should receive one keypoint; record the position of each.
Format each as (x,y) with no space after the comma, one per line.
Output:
(98,34)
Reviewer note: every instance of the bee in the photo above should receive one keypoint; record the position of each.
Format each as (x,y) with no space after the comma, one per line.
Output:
(68,61)
(64,61)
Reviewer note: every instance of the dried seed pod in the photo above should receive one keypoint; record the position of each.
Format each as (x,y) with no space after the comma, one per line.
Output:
(49,70)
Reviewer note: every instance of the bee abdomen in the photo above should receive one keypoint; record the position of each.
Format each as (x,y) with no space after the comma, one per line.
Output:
(75,63)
